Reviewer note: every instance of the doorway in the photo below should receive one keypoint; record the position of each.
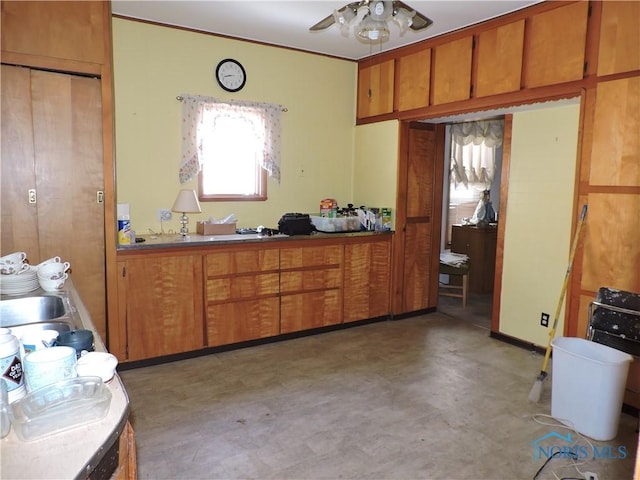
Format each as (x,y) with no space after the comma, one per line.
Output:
(471,203)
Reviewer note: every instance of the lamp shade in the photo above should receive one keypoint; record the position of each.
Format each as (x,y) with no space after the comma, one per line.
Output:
(186,202)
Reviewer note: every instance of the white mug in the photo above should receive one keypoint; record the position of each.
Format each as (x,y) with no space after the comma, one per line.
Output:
(48,261)
(47,366)
(52,285)
(53,270)
(15,258)
(35,340)
(13,268)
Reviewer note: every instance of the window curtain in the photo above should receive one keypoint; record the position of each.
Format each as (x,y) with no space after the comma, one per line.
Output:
(473,149)
(199,112)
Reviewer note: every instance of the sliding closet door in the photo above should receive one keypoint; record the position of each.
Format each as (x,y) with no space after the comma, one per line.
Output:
(54,145)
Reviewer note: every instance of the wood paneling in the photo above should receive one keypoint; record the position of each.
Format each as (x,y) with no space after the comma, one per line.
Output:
(304,311)
(242,295)
(615,153)
(417,259)
(70,30)
(611,246)
(52,142)
(234,322)
(619,37)
(164,305)
(414,77)
(19,218)
(237,262)
(310,287)
(555,46)
(375,89)
(499,59)
(452,71)
(367,277)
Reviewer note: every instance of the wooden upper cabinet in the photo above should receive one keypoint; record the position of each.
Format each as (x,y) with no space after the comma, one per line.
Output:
(615,152)
(71,30)
(452,71)
(555,45)
(414,77)
(375,89)
(619,37)
(499,59)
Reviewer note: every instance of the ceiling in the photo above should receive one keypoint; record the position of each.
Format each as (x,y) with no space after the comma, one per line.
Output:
(286,23)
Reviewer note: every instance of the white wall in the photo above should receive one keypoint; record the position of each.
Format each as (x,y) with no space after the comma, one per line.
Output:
(538,222)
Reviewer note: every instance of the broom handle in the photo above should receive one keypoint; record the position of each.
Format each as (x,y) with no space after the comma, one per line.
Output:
(563,291)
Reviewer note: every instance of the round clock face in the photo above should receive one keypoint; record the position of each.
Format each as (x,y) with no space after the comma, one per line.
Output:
(231,75)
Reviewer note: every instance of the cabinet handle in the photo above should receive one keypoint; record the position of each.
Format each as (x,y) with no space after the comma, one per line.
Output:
(99,196)
(31,193)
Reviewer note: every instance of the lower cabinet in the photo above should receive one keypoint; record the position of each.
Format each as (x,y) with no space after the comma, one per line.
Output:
(242,295)
(367,274)
(310,287)
(161,299)
(177,300)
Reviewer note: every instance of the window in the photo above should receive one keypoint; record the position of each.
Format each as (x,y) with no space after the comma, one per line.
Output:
(231,146)
(231,157)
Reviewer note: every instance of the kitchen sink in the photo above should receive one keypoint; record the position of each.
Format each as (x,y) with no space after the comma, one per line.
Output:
(42,312)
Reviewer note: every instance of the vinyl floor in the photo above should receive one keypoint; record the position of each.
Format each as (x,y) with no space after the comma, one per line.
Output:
(428,397)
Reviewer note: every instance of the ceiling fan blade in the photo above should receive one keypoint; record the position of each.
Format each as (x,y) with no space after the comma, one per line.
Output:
(420,22)
(331,19)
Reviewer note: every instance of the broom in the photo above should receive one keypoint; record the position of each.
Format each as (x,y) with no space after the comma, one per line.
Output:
(536,390)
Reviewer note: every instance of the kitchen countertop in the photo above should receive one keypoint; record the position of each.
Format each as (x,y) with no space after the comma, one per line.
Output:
(76,452)
(197,240)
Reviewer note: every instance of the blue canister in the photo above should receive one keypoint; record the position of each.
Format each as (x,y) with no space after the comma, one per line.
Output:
(124,230)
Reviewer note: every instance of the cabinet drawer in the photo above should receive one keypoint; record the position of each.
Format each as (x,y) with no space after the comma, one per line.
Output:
(310,280)
(311,256)
(241,321)
(310,310)
(242,287)
(247,261)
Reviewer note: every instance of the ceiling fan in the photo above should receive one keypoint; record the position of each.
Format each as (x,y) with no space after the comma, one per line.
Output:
(374,15)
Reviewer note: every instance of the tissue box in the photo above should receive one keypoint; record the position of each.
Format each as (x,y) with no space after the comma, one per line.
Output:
(216,228)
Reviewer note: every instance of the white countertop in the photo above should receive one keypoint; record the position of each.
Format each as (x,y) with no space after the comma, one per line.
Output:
(76,452)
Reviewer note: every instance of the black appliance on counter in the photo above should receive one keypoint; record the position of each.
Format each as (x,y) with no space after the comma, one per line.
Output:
(296,224)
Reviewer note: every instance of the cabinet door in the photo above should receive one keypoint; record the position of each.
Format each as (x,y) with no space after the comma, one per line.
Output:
(242,295)
(499,59)
(414,76)
(52,144)
(310,287)
(555,49)
(375,89)
(164,307)
(70,30)
(619,38)
(452,71)
(367,270)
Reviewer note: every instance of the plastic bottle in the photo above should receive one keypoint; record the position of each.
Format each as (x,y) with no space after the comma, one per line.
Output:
(124,230)
(11,366)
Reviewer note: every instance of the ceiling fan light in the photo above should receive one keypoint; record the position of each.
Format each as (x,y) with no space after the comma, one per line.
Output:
(373,30)
(404,18)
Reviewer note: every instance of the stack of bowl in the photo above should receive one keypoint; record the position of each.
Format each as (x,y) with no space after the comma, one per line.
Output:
(52,273)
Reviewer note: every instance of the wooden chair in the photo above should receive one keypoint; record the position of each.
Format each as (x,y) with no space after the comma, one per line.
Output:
(455,290)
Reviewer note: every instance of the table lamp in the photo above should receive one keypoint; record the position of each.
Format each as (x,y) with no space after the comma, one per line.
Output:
(186,202)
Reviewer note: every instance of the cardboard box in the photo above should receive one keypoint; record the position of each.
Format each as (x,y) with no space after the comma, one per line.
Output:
(216,228)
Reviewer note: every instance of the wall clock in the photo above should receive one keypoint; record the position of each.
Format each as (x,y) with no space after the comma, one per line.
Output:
(231,75)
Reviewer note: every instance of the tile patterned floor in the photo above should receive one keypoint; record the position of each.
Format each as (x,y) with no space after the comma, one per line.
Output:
(430,397)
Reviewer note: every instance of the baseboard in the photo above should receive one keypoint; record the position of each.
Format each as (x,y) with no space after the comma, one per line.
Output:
(517,342)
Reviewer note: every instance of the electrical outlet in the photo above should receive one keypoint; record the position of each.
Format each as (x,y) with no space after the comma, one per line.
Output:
(164,215)
(590,476)
(544,319)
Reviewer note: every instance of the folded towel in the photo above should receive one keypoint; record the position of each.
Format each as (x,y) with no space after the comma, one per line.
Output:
(454,259)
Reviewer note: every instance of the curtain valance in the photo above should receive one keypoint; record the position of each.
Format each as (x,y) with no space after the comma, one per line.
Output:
(200,112)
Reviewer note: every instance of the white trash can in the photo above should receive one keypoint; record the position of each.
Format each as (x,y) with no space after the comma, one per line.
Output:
(587,389)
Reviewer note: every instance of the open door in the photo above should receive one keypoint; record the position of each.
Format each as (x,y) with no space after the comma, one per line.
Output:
(418,218)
